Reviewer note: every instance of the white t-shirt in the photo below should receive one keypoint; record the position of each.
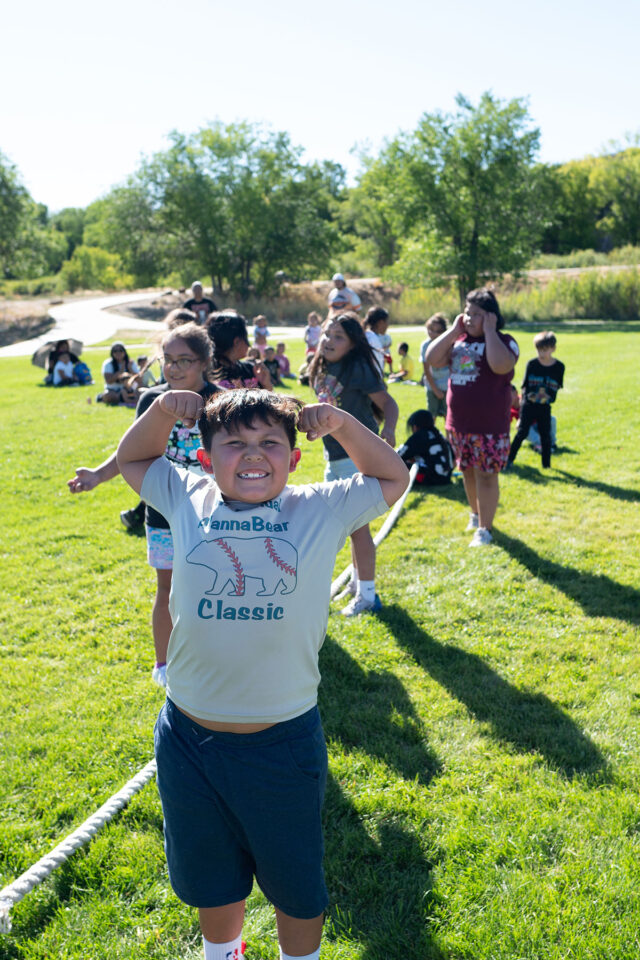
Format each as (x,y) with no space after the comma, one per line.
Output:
(345,299)
(250,590)
(376,345)
(440,374)
(61,370)
(109,367)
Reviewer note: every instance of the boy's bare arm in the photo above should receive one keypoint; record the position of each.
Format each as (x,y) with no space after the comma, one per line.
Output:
(146,439)
(87,478)
(371,455)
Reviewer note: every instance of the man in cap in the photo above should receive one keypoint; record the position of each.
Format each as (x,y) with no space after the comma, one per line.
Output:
(342,297)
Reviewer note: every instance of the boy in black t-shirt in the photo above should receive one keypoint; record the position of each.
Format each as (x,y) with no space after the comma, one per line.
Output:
(542,379)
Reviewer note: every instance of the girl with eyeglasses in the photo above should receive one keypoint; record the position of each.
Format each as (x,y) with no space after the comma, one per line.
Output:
(186,359)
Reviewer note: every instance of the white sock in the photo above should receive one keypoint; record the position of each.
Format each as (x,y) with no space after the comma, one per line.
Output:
(367,590)
(308,956)
(223,951)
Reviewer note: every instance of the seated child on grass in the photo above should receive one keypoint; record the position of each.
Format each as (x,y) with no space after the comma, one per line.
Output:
(406,365)
(241,756)
(272,365)
(283,362)
(428,448)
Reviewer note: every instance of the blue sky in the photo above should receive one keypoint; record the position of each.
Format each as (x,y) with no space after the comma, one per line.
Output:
(89,88)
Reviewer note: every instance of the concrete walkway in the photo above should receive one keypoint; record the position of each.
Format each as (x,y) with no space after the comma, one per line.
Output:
(87,321)
(90,322)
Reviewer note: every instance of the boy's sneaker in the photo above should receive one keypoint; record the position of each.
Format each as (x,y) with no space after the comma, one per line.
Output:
(481,538)
(349,591)
(360,605)
(131,519)
(474,522)
(159,675)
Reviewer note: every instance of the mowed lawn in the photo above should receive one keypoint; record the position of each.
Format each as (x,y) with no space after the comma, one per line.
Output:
(484,737)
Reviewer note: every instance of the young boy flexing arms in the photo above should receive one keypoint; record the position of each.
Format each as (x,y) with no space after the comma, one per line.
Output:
(241,755)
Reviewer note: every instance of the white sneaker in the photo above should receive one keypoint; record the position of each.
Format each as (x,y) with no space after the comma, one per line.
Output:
(481,538)
(159,675)
(360,605)
(349,591)
(474,522)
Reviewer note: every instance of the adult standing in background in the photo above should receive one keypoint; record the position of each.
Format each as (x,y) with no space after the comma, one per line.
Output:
(199,304)
(342,298)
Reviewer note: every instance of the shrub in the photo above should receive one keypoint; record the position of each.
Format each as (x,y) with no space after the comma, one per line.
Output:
(91,268)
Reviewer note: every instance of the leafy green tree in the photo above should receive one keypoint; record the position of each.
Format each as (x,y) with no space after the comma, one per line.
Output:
(573,205)
(372,210)
(240,205)
(70,222)
(615,180)
(14,201)
(469,186)
(126,223)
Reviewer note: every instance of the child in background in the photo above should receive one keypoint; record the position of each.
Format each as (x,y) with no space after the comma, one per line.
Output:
(260,341)
(253,353)
(272,365)
(343,372)
(543,378)
(283,362)
(260,329)
(375,325)
(186,357)
(231,367)
(63,375)
(406,366)
(241,756)
(437,378)
(312,331)
(145,377)
(515,404)
(429,449)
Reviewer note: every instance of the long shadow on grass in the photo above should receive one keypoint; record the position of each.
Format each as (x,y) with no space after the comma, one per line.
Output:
(616,493)
(598,595)
(526,720)
(379,885)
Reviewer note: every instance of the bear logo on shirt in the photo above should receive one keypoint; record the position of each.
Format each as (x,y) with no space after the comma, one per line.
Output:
(270,561)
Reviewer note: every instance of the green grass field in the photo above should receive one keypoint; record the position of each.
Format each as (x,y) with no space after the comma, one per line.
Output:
(483,730)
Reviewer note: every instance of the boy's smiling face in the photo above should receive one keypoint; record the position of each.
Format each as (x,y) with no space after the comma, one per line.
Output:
(253,463)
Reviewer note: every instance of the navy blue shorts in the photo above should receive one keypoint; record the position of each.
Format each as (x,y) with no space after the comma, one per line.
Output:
(242,805)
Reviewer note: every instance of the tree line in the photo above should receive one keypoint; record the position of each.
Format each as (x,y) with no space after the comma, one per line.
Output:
(463,195)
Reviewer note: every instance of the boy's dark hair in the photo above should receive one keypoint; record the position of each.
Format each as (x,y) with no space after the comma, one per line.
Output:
(374,315)
(232,409)
(194,336)
(544,339)
(421,420)
(403,346)
(486,300)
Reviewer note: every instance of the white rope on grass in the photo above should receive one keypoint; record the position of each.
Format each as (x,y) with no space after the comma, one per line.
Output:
(384,530)
(25,883)
(12,894)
